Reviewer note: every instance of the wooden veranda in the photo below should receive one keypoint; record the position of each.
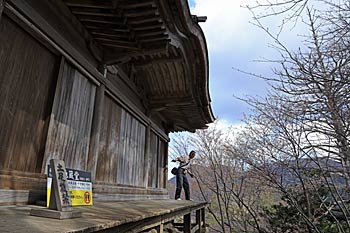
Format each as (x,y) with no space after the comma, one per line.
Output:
(119,216)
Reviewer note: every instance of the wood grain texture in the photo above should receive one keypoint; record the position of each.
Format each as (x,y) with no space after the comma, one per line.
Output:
(122,147)
(1,8)
(27,78)
(70,127)
(95,131)
(153,161)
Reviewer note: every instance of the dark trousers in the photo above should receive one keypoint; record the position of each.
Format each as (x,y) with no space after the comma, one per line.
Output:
(182,181)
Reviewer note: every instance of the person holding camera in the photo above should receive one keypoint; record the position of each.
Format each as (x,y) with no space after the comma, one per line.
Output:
(181,178)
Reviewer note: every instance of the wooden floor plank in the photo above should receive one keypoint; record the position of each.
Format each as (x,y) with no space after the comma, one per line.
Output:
(100,217)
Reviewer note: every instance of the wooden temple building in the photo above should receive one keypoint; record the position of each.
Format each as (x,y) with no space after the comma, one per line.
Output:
(99,84)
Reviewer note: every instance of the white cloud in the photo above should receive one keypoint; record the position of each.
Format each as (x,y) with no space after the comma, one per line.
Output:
(228,27)
(227,23)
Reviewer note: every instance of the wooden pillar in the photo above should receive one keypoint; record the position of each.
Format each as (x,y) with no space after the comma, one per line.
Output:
(187,223)
(96,127)
(2,6)
(199,219)
(160,228)
(51,127)
(166,165)
(95,131)
(147,146)
(203,216)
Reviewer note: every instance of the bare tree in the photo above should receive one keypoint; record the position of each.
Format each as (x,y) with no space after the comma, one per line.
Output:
(225,181)
(301,130)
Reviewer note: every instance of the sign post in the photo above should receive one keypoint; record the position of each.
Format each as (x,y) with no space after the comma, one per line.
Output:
(60,201)
(79,185)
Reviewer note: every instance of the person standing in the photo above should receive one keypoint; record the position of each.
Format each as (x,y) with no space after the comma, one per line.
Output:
(181,178)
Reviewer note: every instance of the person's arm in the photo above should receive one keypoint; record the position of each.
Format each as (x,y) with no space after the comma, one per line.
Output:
(190,173)
(177,159)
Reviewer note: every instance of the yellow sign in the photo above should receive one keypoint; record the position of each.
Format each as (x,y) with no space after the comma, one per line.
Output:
(79,184)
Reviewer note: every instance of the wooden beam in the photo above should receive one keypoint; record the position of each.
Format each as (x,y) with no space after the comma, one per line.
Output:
(151,33)
(138,13)
(113,57)
(160,38)
(117,41)
(89,4)
(158,61)
(109,34)
(172,101)
(114,45)
(138,4)
(104,28)
(148,27)
(142,20)
(99,20)
(89,13)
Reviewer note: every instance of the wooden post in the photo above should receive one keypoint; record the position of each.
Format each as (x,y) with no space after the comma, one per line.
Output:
(165,183)
(2,6)
(51,128)
(147,145)
(95,132)
(160,228)
(96,126)
(203,216)
(187,223)
(199,220)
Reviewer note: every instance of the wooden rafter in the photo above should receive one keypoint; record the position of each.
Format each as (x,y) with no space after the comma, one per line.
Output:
(149,27)
(89,4)
(153,39)
(138,4)
(137,13)
(153,61)
(105,28)
(109,34)
(143,20)
(88,13)
(99,20)
(151,33)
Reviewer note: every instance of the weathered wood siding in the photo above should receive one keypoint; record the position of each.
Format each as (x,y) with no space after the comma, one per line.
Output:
(157,162)
(153,161)
(131,163)
(121,157)
(162,164)
(70,126)
(107,163)
(28,74)
(47,104)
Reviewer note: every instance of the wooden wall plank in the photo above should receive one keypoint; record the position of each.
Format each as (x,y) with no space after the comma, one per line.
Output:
(122,147)
(27,79)
(95,131)
(69,134)
(108,145)
(153,161)
(162,165)
(146,156)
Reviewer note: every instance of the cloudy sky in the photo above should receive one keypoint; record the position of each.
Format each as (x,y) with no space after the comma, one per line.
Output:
(234,43)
